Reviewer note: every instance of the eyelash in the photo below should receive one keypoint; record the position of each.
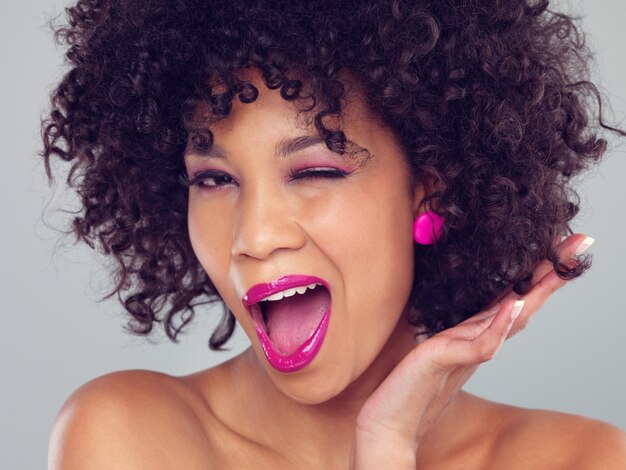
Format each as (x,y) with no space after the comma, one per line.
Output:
(203,175)
(293,175)
(328,173)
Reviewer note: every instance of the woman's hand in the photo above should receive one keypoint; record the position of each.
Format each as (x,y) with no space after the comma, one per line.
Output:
(398,414)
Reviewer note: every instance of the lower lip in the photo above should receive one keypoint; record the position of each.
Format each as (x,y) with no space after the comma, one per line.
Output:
(302,356)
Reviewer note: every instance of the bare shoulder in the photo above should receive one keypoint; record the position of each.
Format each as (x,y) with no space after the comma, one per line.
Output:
(126,420)
(583,443)
(548,439)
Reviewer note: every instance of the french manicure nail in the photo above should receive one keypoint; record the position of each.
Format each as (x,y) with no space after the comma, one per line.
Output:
(582,247)
(517,308)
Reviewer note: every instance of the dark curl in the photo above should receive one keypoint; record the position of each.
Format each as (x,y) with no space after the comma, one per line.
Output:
(490,98)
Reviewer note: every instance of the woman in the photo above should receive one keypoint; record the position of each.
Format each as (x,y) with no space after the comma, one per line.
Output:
(376,191)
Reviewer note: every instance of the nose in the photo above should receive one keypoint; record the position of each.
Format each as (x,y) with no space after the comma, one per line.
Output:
(265,223)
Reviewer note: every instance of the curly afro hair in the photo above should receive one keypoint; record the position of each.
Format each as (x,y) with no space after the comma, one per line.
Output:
(491,98)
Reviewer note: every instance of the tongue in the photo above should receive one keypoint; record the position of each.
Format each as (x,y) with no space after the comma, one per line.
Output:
(292,320)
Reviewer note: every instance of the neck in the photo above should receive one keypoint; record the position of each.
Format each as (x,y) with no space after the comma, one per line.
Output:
(324,430)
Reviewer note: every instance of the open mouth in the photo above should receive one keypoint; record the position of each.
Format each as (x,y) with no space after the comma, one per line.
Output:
(291,318)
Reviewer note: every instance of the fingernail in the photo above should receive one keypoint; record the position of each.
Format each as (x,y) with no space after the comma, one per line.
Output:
(582,247)
(517,308)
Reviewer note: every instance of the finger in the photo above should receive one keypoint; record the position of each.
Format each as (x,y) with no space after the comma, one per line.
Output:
(546,265)
(472,326)
(549,283)
(468,330)
(487,313)
(535,299)
(545,281)
(482,348)
(571,246)
(568,248)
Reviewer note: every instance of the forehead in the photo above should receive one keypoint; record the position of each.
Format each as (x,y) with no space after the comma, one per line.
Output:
(354,107)
(271,119)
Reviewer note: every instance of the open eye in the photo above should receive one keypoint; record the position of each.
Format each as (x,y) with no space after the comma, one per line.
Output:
(209,179)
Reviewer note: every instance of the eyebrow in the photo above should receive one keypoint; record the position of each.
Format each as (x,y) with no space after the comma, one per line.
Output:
(283,149)
(288,146)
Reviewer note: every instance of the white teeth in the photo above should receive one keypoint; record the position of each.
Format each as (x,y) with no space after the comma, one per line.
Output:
(290,292)
(280,295)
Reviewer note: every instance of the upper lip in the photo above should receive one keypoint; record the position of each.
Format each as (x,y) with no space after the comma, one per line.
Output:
(260,291)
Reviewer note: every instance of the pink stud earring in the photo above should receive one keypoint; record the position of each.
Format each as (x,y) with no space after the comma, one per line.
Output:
(427,228)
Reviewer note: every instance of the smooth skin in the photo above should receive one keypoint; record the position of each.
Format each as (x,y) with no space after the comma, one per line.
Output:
(374,397)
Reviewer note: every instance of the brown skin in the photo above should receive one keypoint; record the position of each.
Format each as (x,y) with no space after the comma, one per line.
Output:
(373,397)
(177,424)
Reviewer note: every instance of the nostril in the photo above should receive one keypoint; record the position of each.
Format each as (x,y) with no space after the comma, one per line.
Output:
(260,242)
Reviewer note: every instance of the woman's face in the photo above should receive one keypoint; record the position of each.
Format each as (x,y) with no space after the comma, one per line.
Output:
(257,222)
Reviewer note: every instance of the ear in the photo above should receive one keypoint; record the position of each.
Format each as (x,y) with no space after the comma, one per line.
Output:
(424,186)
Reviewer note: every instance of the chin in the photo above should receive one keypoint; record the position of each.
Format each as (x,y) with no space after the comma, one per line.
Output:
(311,392)
(313,385)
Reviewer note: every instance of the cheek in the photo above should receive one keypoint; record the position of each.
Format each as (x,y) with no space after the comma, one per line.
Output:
(368,237)
(386,262)
(208,238)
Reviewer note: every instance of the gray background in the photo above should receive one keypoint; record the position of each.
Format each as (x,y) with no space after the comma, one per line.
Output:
(54,336)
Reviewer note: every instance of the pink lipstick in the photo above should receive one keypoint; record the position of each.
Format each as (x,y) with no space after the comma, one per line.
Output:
(306,352)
